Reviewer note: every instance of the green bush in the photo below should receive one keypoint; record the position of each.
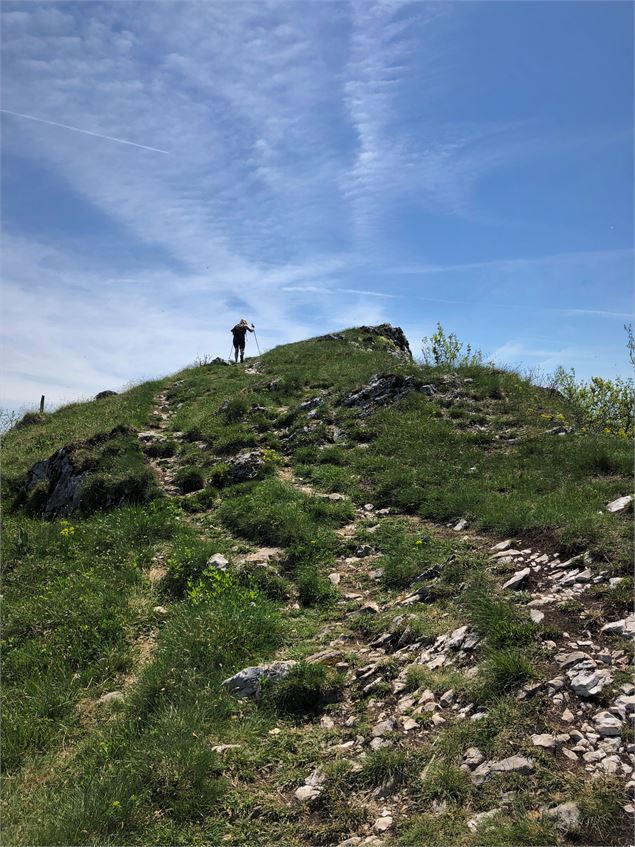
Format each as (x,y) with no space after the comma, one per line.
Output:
(235,409)
(305,690)
(189,479)
(500,622)
(446,782)
(446,351)
(602,405)
(313,588)
(503,671)
(385,764)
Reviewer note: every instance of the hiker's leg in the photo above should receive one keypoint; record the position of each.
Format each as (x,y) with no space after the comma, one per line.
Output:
(242,353)
(236,353)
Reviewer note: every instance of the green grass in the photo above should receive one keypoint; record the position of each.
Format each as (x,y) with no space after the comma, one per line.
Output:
(80,610)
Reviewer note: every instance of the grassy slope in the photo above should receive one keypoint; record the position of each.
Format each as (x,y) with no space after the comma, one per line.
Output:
(81,605)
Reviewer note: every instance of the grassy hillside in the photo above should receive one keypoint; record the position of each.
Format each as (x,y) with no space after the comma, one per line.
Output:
(336,519)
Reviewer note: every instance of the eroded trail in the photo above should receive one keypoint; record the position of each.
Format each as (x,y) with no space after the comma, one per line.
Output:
(404,688)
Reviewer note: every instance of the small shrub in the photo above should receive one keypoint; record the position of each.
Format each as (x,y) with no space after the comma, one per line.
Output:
(503,671)
(602,405)
(600,807)
(219,475)
(446,351)
(305,690)
(160,449)
(235,409)
(381,766)
(446,782)
(313,588)
(189,479)
(500,623)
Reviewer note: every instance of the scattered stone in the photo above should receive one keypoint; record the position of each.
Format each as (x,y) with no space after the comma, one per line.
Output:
(567,716)
(570,754)
(474,823)
(501,546)
(518,578)
(110,697)
(409,724)
(382,728)
(589,683)
(448,698)
(160,610)
(481,773)
(326,722)
(369,608)
(513,764)
(218,562)
(246,466)
(335,578)
(383,824)
(221,748)
(619,504)
(461,525)
(566,817)
(383,389)
(246,683)
(473,757)
(536,615)
(565,660)
(546,741)
(624,627)
(306,793)
(607,724)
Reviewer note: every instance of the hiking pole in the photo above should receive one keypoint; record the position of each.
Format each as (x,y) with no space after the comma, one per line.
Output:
(257,345)
(230,353)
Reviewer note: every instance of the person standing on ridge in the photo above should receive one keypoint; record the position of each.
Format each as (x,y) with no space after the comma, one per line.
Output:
(239,332)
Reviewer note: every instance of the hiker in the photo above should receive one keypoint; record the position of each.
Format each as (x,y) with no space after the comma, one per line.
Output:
(239,332)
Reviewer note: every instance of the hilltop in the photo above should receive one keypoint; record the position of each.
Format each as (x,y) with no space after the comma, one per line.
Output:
(330,596)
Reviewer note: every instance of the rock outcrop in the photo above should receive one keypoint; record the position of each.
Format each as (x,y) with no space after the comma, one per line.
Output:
(383,389)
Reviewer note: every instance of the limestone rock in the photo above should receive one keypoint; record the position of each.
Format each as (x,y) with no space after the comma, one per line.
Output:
(474,822)
(607,724)
(546,741)
(587,683)
(246,466)
(246,683)
(110,697)
(566,817)
(518,578)
(619,504)
(383,389)
(513,764)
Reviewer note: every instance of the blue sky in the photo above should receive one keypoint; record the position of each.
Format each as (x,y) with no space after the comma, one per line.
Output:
(311,166)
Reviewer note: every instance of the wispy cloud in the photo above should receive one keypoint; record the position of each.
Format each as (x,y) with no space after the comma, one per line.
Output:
(84,131)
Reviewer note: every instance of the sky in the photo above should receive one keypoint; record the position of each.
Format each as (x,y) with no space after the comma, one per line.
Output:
(169,168)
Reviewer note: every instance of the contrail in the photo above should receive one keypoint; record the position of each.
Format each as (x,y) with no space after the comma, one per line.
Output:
(84,131)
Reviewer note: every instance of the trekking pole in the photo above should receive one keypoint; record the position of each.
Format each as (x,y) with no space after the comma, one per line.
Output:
(230,353)
(257,345)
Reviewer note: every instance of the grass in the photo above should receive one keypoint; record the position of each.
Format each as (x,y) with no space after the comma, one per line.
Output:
(305,690)
(80,608)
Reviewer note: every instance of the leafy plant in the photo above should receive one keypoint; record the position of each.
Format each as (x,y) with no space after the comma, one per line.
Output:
(443,350)
(601,405)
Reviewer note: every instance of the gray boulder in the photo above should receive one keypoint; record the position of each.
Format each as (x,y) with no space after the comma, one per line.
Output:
(104,394)
(588,683)
(246,684)
(246,466)
(566,817)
